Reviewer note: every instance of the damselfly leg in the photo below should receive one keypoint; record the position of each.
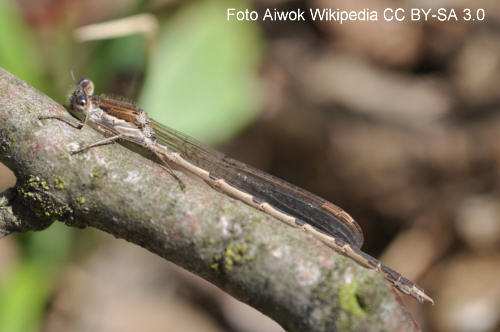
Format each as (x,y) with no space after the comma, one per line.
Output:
(169,170)
(110,140)
(106,141)
(72,123)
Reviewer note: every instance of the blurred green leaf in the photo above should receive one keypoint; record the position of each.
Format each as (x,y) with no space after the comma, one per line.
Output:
(23,298)
(25,292)
(203,76)
(18,51)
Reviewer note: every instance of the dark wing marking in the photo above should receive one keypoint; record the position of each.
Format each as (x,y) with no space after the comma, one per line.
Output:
(119,109)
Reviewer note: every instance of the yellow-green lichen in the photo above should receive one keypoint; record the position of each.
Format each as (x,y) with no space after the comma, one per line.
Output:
(81,199)
(37,183)
(215,266)
(348,300)
(59,183)
(35,189)
(236,253)
(96,177)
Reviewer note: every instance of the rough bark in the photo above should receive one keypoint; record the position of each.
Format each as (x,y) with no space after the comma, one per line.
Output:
(284,273)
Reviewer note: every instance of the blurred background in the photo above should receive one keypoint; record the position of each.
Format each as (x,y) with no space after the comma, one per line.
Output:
(397,123)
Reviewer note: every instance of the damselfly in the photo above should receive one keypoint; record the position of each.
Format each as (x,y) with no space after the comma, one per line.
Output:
(291,205)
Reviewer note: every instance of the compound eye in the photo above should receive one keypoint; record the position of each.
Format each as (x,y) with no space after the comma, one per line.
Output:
(82,101)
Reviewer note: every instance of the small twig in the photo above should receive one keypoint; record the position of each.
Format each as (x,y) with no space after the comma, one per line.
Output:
(282,272)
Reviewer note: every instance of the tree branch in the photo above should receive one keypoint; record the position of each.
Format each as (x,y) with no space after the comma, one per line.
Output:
(280,271)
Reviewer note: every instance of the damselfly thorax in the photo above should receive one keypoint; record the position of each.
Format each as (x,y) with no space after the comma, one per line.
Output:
(290,204)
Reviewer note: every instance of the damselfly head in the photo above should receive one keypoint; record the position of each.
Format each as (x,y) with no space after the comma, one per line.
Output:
(79,100)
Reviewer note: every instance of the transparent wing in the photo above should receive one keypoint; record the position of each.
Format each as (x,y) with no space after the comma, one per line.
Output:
(305,206)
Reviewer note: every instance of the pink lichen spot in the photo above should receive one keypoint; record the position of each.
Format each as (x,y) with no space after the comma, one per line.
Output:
(327,261)
(36,148)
